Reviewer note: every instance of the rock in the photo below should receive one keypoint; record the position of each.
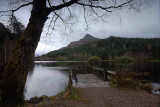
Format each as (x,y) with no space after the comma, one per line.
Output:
(156,91)
(35,100)
(156,88)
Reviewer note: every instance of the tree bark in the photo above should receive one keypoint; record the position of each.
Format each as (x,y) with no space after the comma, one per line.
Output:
(15,73)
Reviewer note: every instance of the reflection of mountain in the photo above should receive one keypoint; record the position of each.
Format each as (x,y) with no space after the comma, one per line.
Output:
(86,39)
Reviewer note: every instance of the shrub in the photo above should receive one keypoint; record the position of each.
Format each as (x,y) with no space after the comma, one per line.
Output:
(62,59)
(125,59)
(127,84)
(94,60)
(158,60)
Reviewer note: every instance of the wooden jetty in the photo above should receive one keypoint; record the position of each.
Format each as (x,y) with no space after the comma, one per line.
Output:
(109,74)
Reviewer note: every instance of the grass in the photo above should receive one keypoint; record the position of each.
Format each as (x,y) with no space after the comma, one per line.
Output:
(127,85)
(75,95)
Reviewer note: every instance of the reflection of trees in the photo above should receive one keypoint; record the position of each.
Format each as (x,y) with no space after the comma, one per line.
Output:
(134,75)
(62,63)
(97,64)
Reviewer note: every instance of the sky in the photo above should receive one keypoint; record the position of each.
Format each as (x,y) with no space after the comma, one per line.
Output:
(123,23)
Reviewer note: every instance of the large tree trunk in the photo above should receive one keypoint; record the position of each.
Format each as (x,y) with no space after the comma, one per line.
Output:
(15,73)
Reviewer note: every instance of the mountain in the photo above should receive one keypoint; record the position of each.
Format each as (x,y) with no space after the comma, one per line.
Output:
(86,39)
(110,48)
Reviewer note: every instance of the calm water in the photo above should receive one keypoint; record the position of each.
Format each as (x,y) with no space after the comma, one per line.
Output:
(51,77)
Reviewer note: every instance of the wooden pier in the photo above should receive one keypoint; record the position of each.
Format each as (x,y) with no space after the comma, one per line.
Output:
(107,74)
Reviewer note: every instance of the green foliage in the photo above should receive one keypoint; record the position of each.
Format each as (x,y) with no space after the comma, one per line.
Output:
(35,97)
(127,85)
(146,87)
(62,59)
(158,60)
(112,47)
(125,59)
(94,60)
(74,95)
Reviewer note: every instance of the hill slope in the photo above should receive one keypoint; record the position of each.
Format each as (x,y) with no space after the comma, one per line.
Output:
(110,48)
(87,39)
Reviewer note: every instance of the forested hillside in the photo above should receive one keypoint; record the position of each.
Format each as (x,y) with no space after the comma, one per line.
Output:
(110,48)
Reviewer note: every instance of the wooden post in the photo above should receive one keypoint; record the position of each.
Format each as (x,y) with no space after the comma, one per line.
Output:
(69,90)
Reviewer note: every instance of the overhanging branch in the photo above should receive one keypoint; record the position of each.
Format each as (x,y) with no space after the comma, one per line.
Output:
(18,7)
(105,8)
(53,8)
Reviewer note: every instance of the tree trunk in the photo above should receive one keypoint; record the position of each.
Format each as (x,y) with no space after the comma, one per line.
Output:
(5,50)
(15,73)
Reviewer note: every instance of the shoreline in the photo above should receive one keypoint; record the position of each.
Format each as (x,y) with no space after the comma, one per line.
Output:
(107,97)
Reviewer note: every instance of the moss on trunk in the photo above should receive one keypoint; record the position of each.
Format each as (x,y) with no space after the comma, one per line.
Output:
(15,73)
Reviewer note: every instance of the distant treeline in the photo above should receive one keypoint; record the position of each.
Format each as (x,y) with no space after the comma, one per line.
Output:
(110,48)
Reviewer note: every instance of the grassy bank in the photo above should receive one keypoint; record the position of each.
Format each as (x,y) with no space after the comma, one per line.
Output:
(128,85)
(46,101)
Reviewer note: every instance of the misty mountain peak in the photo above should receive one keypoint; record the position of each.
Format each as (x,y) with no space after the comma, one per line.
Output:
(88,37)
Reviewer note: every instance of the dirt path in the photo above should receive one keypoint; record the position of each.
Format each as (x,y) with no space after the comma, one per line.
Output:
(120,98)
(112,97)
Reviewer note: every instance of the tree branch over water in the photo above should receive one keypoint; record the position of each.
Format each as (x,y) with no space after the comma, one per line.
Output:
(16,69)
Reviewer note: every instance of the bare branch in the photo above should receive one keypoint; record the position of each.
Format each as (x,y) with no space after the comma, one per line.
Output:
(54,24)
(64,1)
(4,15)
(49,3)
(50,25)
(85,17)
(98,16)
(64,22)
(18,7)
(66,4)
(106,8)
(22,6)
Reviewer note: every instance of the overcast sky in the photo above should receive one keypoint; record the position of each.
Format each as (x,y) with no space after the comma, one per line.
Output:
(145,23)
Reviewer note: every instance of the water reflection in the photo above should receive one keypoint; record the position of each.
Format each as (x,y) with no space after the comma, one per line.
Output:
(51,77)
(46,81)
